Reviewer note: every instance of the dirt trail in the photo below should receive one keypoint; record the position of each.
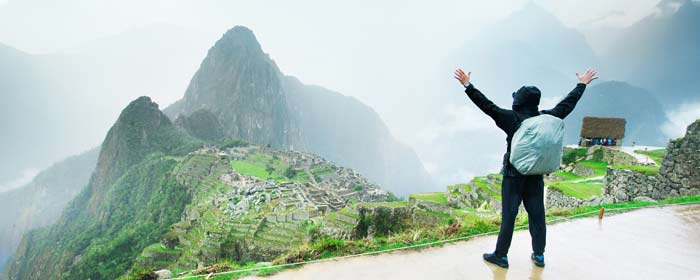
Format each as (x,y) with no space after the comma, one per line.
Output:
(653,243)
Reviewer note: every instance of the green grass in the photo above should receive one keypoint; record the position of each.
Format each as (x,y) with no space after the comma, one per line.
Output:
(453,188)
(265,167)
(597,166)
(572,155)
(438,197)
(582,190)
(567,175)
(647,170)
(656,155)
(472,225)
(251,169)
(393,204)
(483,184)
(160,249)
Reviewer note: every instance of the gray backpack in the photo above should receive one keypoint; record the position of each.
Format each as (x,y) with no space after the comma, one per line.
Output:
(537,145)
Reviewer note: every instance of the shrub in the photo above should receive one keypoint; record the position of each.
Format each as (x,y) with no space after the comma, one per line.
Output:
(290,172)
(598,155)
(169,239)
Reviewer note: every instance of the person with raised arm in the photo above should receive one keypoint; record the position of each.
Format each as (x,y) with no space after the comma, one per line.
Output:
(517,187)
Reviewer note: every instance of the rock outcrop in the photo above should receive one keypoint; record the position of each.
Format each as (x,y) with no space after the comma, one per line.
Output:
(480,192)
(241,85)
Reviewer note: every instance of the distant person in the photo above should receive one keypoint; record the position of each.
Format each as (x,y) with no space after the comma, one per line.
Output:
(517,187)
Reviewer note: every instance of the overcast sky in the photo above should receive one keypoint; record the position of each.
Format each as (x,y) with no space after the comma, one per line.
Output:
(377,51)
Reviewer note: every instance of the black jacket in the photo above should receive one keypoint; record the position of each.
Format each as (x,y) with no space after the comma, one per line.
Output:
(525,102)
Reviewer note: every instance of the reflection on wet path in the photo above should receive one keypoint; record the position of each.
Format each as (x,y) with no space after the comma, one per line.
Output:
(654,243)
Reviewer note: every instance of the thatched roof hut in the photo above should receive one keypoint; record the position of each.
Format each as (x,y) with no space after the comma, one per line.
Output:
(594,127)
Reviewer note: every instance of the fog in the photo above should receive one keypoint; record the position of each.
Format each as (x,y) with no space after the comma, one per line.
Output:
(395,56)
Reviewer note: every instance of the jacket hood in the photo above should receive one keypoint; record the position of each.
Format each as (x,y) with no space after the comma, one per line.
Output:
(527,98)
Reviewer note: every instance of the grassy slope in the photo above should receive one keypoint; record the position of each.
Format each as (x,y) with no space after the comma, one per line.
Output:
(656,155)
(583,189)
(140,207)
(438,197)
(266,167)
(329,248)
(647,170)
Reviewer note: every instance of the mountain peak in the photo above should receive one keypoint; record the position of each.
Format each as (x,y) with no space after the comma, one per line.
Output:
(240,86)
(531,13)
(140,130)
(238,38)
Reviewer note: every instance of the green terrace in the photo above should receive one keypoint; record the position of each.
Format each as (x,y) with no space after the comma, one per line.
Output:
(598,167)
(269,168)
(648,170)
(438,197)
(584,189)
(656,155)
(566,175)
(393,204)
(572,155)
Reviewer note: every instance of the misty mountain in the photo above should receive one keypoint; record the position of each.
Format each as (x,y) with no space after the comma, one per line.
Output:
(40,202)
(344,130)
(27,113)
(638,106)
(70,97)
(243,87)
(529,47)
(240,84)
(661,52)
(152,182)
(129,201)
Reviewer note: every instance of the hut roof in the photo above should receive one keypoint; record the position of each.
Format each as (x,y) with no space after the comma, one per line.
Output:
(594,127)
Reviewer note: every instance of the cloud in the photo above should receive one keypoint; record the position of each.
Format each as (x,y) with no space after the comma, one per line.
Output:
(678,120)
(459,143)
(26,177)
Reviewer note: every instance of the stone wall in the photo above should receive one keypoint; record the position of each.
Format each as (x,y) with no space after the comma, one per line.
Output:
(556,199)
(626,185)
(679,174)
(681,164)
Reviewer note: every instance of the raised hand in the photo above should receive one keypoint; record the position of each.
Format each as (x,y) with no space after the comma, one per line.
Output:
(587,77)
(462,77)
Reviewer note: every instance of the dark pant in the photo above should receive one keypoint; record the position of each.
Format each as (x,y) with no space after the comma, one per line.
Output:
(530,190)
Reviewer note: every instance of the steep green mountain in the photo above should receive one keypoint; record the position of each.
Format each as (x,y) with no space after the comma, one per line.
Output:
(253,101)
(661,52)
(40,202)
(129,201)
(157,199)
(638,106)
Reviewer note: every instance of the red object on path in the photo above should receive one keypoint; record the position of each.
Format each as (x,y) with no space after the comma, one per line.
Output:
(600,215)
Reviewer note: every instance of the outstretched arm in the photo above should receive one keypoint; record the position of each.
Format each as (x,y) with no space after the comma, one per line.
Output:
(486,106)
(567,104)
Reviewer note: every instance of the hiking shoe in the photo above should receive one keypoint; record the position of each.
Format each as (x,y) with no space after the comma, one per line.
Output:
(537,259)
(499,261)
